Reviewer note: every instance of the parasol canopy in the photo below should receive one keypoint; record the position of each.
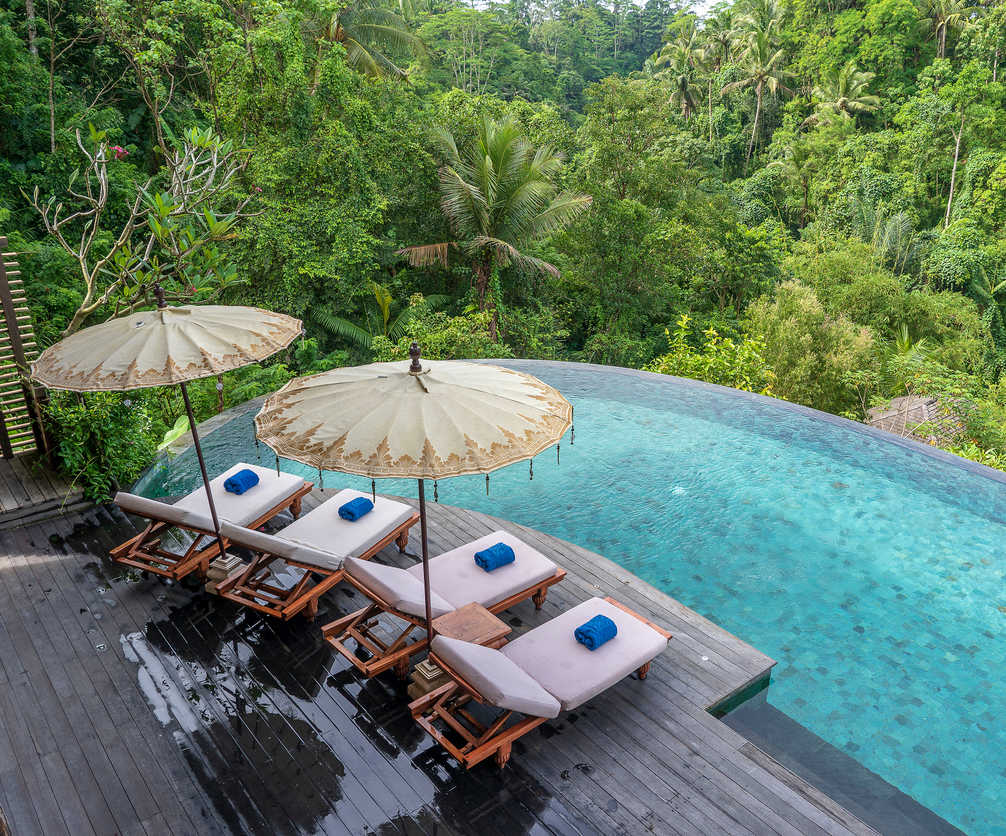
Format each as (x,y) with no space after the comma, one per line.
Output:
(163,347)
(446,418)
(388,420)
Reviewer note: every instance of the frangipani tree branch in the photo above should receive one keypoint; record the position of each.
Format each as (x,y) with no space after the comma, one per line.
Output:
(168,236)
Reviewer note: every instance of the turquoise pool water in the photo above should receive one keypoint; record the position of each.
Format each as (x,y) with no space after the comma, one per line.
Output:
(872,571)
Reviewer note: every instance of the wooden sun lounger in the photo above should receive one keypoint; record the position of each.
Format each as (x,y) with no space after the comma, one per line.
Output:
(363,629)
(442,713)
(147,550)
(251,587)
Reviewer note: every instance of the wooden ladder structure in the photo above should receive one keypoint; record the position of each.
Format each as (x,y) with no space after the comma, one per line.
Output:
(20,427)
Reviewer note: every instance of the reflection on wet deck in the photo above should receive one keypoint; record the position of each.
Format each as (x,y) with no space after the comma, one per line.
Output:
(131,705)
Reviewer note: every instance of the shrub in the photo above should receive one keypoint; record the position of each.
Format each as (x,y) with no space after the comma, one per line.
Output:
(104,439)
(810,351)
(442,337)
(720,360)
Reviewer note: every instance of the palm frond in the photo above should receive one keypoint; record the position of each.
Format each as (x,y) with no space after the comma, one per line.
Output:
(509,254)
(391,37)
(446,144)
(360,58)
(341,327)
(462,202)
(737,85)
(426,255)
(397,328)
(562,209)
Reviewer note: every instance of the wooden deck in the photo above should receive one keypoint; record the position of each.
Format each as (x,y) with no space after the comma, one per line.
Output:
(29,490)
(130,705)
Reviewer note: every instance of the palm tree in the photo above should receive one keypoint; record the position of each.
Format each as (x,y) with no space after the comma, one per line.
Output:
(720,35)
(499,196)
(368,33)
(680,60)
(944,15)
(760,64)
(799,165)
(843,93)
(761,15)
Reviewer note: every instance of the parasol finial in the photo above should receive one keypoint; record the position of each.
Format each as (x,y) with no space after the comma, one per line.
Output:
(415,354)
(159,296)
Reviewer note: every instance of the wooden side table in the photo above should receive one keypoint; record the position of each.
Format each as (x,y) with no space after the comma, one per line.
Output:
(471,623)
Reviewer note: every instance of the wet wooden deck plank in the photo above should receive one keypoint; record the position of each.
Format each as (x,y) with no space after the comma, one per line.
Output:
(135,607)
(30,490)
(643,757)
(83,695)
(138,757)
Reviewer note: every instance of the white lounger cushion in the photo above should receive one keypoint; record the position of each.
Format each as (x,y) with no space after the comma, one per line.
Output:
(396,587)
(325,530)
(457,577)
(496,678)
(570,672)
(152,509)
(242,509)
(273,544)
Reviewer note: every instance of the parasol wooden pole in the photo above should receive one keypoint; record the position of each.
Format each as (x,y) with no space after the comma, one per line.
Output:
(426,561)
(202,467)
(162,303)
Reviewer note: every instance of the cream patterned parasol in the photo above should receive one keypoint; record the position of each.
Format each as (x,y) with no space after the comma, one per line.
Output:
(424,421)
(163,347)
(382,420)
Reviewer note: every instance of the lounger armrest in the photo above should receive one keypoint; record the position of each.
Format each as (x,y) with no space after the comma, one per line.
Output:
(153,509)
(500,681)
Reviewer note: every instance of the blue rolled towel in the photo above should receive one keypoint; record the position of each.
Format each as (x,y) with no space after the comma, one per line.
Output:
(595,632)
(356,508)
(241,481)
(499,554)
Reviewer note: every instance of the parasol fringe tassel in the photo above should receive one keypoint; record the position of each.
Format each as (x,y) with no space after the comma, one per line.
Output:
(436,496)
(557,454)
(277,465)
(531,463)
(572,427)
(321,479)
(373,490)
(487,484)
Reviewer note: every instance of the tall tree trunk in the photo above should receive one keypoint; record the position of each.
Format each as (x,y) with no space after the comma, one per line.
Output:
(483,277)
(953,172)
(52,98)
(941,50)
(754,126)
(29,11)
(710,110)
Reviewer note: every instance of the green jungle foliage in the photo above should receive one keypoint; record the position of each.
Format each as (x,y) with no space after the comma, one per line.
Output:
(796,197)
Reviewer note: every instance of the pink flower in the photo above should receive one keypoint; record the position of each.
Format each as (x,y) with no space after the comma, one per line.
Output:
(120,152)
(256,189)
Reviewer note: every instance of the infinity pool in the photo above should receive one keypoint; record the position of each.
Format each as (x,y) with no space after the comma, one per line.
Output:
(869,568)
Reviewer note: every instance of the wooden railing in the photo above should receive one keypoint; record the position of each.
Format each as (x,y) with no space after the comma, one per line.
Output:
(20,426)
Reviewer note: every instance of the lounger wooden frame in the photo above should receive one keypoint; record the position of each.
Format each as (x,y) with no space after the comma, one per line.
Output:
(397,653)
(480,741)
(249,586)
(144,551)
